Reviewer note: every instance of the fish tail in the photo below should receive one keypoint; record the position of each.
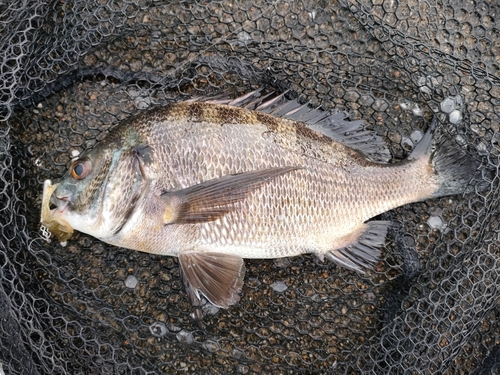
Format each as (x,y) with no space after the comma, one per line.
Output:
(453,168)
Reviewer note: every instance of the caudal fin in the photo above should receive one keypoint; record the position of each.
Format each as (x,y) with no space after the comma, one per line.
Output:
(454,168)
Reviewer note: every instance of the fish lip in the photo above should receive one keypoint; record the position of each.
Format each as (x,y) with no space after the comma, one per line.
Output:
(61,203)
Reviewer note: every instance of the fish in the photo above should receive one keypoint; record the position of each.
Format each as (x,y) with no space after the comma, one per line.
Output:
(214,182)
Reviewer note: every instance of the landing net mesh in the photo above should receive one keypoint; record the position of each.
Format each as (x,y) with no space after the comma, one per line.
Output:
(70,70)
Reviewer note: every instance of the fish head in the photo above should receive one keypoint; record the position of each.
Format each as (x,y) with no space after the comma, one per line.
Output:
(97,193)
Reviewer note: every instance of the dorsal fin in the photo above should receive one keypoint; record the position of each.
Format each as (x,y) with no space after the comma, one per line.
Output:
(333,124)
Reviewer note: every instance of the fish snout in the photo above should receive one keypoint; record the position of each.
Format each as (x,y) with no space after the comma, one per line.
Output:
(60,200)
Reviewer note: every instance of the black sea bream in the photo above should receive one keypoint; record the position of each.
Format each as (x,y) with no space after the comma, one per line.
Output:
(214,183)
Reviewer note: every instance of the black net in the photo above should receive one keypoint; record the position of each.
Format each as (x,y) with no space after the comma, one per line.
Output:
(72,69)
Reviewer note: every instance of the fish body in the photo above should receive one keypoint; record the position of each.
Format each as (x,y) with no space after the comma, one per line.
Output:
(214,183)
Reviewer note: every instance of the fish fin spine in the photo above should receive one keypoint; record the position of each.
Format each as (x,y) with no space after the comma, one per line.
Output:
(217,276)
(362,248)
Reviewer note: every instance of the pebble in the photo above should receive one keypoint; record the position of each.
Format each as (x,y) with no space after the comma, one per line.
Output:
(279,286)
(131,282)
(435,222)
(185,337)
(455,116)
(448,105)
(158,329)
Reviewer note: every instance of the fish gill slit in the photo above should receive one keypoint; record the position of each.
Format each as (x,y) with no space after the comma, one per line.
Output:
(128,213)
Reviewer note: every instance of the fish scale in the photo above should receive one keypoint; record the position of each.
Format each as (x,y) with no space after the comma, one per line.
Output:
(213,184)
(261,207)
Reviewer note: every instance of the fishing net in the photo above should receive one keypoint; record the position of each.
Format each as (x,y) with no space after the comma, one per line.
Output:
(70,70)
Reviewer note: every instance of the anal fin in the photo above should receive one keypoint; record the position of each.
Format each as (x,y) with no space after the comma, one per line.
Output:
(218,276)
(363,248)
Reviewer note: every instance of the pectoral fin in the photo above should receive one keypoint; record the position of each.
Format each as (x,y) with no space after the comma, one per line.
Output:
(212,199)
(219,277)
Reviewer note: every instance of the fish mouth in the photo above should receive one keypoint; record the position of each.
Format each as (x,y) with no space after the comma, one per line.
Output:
(53,207)
(58,204)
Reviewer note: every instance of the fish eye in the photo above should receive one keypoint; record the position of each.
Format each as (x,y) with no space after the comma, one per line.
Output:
(80,169)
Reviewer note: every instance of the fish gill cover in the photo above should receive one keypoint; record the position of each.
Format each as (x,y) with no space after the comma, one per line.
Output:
(70,70)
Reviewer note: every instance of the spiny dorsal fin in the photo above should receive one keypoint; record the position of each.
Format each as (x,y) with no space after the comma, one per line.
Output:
(333,124)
